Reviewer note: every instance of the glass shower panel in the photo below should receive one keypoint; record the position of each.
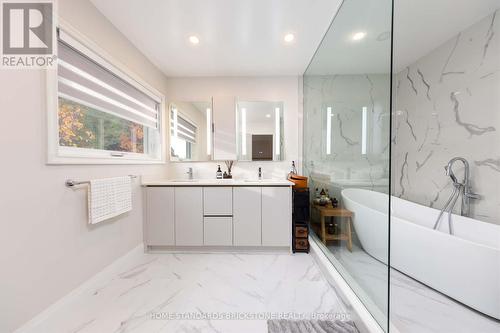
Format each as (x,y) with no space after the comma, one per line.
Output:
(445,274)
(346,147)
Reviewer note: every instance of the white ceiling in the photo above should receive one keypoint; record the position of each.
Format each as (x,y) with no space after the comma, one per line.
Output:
(421,26)
(237,37)
(340,54)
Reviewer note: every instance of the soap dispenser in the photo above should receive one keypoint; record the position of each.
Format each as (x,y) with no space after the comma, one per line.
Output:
(219,172)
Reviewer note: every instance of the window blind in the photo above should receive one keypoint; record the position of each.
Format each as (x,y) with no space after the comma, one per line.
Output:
(185,129)
(87,82)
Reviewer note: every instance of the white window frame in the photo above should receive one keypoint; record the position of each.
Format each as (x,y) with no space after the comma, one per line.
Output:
(57,154)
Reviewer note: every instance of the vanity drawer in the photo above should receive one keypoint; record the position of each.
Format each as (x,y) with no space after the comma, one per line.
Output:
(218,231)
(218,201)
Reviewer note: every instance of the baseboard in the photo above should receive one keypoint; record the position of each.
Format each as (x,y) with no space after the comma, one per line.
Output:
(219,249)
(363,319)
(104,275)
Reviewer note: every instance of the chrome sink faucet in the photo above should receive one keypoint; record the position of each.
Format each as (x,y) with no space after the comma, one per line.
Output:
(190,173)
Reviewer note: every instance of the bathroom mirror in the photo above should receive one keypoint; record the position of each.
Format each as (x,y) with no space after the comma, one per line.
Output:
(259,131)
(191,131)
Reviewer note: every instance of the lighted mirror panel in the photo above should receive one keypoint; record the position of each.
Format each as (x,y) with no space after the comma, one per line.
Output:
(191,131)
(260,131)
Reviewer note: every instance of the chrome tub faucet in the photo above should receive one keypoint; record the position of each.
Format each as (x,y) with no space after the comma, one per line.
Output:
(459,188)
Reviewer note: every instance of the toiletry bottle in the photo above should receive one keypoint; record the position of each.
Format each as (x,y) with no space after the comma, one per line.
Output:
(322,199)
(219,173)
(293,169)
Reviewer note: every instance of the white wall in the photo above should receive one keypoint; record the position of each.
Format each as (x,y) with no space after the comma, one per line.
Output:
(46,247)
(285,89)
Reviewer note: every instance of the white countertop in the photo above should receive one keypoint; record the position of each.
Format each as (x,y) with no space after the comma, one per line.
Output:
(217,182)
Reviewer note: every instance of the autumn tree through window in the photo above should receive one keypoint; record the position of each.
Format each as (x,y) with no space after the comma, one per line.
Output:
(83,127)
(101,109)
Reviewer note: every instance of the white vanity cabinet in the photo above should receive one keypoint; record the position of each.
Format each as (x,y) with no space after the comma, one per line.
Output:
(218,231)
(228,215)
(218,216)
(188,216)
(159,227)
(218,200)
(276,216)
(247,216)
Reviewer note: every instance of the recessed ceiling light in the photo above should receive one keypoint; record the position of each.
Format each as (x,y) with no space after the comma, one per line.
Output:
(194,39)
(268,115)
(289,38)
(358,35)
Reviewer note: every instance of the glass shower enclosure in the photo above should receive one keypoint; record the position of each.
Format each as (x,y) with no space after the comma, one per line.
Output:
(347,99)
(401,117)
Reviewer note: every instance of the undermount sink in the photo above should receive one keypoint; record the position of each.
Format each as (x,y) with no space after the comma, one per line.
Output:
(184,180)
(260,180)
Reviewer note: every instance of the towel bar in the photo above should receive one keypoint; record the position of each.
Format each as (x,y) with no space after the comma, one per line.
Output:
(71,182)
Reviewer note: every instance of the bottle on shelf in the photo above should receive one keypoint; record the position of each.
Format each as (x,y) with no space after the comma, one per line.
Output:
(322,197)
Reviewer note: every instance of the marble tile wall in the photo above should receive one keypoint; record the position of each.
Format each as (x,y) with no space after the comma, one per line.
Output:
(447,104)
(347,95)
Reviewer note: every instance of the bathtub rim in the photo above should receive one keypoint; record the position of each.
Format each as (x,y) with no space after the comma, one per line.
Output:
(448,235)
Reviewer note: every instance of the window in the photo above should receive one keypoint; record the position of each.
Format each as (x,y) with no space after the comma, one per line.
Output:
(103,114)
(182,135)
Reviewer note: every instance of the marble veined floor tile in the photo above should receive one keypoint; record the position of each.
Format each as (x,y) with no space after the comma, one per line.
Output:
(198,293)
(414,307)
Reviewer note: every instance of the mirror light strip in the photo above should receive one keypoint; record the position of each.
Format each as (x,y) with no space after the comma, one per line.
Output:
(329,130)
(277,131)
(209,131)
(174,120)
(364,130)
(243,131)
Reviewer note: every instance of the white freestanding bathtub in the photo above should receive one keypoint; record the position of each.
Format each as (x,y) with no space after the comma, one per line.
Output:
(465,266)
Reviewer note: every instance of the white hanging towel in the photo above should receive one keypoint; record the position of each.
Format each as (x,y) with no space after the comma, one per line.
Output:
(108,198)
